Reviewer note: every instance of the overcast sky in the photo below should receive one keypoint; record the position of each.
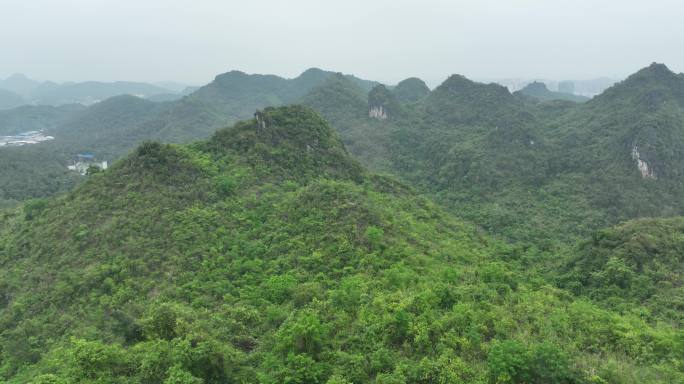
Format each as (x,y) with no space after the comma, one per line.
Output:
(387,40)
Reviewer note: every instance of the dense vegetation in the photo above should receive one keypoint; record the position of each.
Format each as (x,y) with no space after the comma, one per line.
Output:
(268,254)
(637,263)
(548,173)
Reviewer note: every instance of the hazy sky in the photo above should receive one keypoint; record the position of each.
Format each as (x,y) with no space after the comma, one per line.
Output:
(387,40)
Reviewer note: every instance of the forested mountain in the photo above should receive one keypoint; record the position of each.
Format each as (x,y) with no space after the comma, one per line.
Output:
(35,118)
(268,254)
(410,90)
(237,94)
(531,171)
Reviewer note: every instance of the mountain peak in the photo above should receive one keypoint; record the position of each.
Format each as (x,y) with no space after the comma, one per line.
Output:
(312,77)
(463,91)
(658,69)
(458,84)
(336,97)
(649,87)
(313,71)
(18,76)
(536,86)
(540,91)
(410,90)
(655,72)
(293,140)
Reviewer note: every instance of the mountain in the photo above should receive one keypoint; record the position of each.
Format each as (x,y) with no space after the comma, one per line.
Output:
(338,99)
(9,100)
(630,139)
(539,91)
(348,107)
(172,86)
(237,94)
(543,173)
(267,254)
(34,118)
(19,84)
(410,90)
(90,92)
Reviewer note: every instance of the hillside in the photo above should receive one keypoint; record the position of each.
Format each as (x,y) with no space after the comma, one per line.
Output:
(347,107)
(9,100)
(34,118)
(635,263)
(267,254)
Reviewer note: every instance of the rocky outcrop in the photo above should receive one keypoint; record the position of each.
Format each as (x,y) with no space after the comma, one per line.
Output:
(378,112)
(381,103)
(645,170)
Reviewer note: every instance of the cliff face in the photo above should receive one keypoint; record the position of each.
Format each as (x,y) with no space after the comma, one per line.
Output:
(381,103)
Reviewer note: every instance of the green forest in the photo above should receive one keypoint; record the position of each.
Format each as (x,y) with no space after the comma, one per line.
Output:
(465,235)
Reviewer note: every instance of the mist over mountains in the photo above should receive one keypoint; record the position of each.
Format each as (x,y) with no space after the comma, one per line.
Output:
(18,90)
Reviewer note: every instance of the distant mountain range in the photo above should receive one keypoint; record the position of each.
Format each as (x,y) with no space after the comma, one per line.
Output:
(19,90)
(539,91)
(587,88)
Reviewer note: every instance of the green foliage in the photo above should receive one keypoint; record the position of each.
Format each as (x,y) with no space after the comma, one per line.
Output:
(177,375)
(634,263)
(512,362)
(410,90)
(547,173)
(308,270)
(33,208)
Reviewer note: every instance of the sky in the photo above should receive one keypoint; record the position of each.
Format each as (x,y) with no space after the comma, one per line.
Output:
(191,41)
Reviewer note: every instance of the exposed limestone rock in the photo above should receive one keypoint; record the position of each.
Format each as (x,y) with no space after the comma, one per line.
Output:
(261,120)
(642,165)
(378,112)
